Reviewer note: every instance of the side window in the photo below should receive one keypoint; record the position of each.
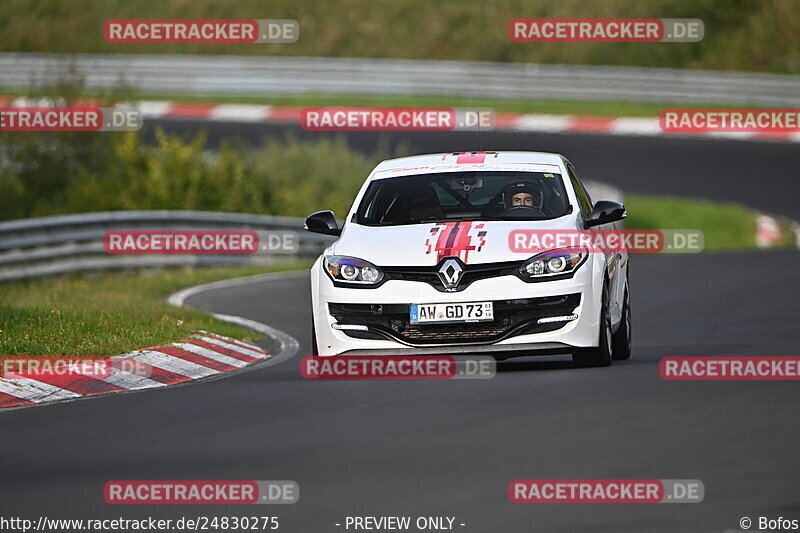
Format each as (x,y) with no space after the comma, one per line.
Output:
(584,199)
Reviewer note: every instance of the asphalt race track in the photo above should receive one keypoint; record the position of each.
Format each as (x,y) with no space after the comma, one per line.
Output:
(759,174)
(450,448)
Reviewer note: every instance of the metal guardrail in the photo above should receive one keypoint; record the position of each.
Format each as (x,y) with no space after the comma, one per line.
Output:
(248,75)
(43,246)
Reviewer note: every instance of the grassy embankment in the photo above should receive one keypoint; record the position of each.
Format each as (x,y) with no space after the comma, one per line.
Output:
(739,35)
(109,314)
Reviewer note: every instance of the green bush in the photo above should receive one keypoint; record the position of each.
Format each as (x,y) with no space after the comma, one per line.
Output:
(295,178)
(55,173)
(50,173)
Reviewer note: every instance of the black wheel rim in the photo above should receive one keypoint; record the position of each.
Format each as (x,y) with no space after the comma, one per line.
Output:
(628,320)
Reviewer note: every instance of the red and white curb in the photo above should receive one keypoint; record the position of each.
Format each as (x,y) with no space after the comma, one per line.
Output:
(203,355)
(768,232)
(525,122)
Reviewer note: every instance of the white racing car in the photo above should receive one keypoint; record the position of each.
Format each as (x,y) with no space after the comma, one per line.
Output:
(424,264)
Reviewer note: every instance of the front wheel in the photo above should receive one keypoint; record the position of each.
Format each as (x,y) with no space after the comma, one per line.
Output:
(600,356)
(314,349)
(621,341)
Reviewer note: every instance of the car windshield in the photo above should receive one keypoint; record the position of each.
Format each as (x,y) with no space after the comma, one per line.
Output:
(452,196)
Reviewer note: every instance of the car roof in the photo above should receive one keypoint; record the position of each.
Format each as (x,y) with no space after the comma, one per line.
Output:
(450,158)
(468,162)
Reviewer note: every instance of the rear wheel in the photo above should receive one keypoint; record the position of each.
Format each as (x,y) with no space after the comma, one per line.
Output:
(600,356)
(621,341)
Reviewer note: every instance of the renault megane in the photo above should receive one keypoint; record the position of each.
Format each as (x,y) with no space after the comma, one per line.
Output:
(423,263)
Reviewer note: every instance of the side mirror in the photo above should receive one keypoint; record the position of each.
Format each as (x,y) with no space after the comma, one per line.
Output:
(604,212)
(323,222)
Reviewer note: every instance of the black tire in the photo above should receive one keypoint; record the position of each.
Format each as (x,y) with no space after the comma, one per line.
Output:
(621,341)
(600,356)
(314,349)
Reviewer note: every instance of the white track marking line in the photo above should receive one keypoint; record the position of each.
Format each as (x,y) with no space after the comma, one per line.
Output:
(177,298)
(129,380)
(230,340)
(538,122)
(239,343)
(175,364)
(35,391)
(36,102)
(768,232)
(240,112)
(288,346)
(635,126)
(235,347)
(205,352)
(730,134)
(154,109)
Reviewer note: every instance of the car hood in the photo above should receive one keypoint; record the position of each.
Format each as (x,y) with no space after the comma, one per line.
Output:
(474,242)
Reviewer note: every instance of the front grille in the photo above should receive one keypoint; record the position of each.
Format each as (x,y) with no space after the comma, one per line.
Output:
(511,317)
(430,275)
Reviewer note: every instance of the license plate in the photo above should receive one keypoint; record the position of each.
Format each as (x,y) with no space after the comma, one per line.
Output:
(458,312)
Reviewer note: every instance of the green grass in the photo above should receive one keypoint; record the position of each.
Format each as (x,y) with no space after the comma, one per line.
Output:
(109,314)
(499,105)
(725,226)
(757,35)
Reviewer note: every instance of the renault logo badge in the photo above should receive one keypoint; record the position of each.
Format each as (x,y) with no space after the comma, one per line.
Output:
(450,274)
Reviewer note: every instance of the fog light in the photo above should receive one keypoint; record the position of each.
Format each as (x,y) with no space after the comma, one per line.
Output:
(351,327)
(549,319)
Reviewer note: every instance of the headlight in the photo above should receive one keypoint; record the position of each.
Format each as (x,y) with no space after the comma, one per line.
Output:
(561,262)
(352,270)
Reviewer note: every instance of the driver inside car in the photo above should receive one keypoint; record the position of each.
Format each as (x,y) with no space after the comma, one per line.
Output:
(522,198)
(523,194)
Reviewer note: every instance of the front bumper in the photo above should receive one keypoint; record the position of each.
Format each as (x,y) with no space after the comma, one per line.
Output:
(382,316)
